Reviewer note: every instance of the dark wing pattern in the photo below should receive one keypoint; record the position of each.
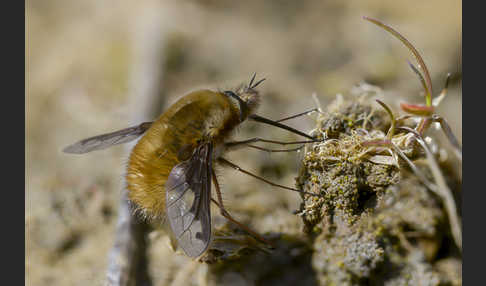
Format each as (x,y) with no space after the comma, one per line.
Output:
(188,194)
(106,140)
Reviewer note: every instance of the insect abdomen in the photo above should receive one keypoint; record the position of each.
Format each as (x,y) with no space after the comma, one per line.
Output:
(201,115)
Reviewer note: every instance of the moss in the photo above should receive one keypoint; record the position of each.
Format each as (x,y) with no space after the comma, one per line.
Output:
(375,223)
(335,168)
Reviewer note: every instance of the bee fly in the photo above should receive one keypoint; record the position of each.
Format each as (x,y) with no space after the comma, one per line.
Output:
(170,169)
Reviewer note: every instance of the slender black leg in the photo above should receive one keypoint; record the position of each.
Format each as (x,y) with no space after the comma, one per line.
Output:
(225,162)
(297,115)
(233,145)
(275,150)
(225,213)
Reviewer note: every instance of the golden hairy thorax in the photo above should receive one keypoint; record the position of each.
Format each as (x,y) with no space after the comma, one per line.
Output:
(199,116)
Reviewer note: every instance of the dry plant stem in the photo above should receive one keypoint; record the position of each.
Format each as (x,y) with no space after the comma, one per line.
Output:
(414,169)
(417,72)
(442,190)
(438,99)
(127,261)
(449,134)
(404,241)
(446,195)
(423,125)
(403,117)
(391,131)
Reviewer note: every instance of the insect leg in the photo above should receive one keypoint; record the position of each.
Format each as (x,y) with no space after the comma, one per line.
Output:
(225,213)
(297,115)
(275,150)
(229,164)
(233,145)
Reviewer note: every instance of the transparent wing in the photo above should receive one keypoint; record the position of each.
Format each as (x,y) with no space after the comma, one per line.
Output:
(106,140)
(188,194)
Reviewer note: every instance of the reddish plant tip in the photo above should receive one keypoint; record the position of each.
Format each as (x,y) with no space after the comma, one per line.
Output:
(416,109)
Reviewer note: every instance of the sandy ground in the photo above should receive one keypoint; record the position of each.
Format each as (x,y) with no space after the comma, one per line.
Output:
(90,62)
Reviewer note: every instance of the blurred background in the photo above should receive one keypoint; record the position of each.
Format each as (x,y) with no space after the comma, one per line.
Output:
(93,67)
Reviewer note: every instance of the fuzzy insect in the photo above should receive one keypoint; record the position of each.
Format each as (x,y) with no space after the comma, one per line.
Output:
(171,167)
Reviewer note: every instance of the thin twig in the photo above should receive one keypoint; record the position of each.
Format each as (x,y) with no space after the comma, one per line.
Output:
(127,261)
(442,190)
(446,195)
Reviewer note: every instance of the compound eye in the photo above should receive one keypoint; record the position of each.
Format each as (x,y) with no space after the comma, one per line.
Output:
(231,93)
(242,104)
